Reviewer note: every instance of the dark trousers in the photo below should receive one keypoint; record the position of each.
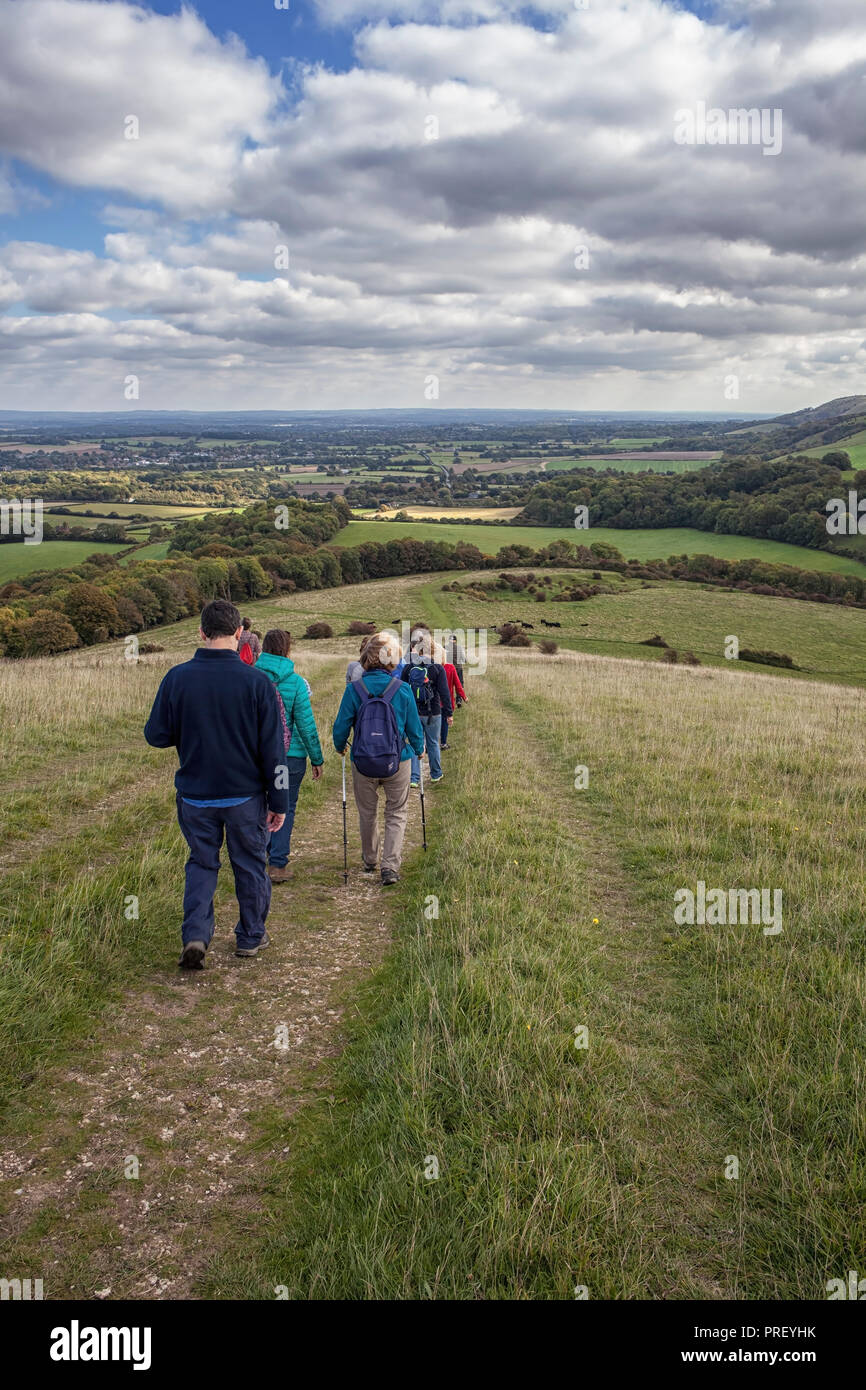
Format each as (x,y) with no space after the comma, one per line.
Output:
(280,846)
(246,841)
(443,732)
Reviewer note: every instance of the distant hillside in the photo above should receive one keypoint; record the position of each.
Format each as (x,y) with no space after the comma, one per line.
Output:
(824,414)
(828,424)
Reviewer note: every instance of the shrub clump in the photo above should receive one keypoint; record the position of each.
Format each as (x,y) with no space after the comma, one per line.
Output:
(669,655)
(320,630)
(356,629)
(549,648)
(768,658)
(148,648)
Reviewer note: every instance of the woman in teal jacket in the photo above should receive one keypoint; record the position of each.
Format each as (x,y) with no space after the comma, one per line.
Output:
(303,739)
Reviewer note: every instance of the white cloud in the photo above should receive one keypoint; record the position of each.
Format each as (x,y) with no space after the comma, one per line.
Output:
(453,254)
(74,71)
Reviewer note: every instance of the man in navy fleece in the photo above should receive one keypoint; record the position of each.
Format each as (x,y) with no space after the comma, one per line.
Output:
(224,720)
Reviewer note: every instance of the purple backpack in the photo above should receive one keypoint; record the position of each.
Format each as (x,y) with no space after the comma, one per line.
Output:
(376,745)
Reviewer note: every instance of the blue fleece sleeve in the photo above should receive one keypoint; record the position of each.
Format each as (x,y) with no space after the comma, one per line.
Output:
(159,730)
(345,720)
(412,728)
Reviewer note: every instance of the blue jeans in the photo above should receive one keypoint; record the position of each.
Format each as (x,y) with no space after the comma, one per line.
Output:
(280,845)
(246,841)
(443,731)
(430,723)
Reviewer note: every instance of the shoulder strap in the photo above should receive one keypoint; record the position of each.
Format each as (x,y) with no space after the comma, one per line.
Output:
(361,690)
(391,688)
(291,712)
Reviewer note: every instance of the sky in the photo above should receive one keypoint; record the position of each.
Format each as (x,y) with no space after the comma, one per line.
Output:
(347,204)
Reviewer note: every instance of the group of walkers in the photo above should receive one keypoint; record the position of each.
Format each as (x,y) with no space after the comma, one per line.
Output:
(242,722)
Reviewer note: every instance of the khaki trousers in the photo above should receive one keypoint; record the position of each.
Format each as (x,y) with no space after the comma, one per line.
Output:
(396,814)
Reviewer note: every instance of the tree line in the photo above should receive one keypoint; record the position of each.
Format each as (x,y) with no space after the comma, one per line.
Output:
(244,556)
(781,500)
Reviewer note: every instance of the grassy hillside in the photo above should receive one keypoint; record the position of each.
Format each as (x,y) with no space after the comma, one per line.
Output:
(854,446)
(601,1166)
(450,1035)
(638,544)
(690,617)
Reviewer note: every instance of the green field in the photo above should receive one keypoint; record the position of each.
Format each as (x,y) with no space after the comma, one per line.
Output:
(635,465)
(135,441)
(489,539)
(854,446)
(638,544)
(156,551)
(634,442)
(90,522)
(159,510)
(17,560)
(357,475)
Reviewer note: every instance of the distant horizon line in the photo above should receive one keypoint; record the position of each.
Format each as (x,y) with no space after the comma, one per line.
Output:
(407,410)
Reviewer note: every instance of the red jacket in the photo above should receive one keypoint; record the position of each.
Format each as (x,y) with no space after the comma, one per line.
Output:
(453,682)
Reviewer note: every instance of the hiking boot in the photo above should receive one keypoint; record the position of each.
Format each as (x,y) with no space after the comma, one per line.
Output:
(277,875)
(192,956)
(247,951)
(389,877)
(434,780)
(369,868)
(413,786)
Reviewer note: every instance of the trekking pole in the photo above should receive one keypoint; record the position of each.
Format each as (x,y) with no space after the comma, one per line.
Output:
(421,790)
(345,838)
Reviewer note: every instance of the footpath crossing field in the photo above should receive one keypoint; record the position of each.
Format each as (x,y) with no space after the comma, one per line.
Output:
(513,1076)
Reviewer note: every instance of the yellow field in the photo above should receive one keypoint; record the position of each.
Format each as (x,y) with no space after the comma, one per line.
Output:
(436,513)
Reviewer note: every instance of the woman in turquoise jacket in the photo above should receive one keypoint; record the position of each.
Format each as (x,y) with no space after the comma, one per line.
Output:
(303,739)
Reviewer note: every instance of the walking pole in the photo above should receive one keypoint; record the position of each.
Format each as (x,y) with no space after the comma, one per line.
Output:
(345,839)
(421,789)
